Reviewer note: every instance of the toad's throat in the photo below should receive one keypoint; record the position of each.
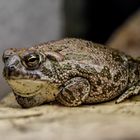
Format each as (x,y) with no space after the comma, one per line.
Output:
(28,88)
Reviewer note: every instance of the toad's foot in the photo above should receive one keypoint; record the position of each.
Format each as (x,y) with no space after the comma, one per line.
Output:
(134,90)
(74,92)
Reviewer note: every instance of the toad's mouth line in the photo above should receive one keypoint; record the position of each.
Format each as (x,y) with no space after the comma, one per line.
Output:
(15,75)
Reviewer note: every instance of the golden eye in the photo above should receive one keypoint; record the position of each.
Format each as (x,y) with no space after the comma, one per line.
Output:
(31,61)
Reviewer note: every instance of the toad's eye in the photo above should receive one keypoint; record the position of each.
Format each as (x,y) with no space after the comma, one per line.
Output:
(31,61)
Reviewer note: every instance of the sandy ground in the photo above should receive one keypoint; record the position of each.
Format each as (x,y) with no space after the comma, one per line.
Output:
(105,121)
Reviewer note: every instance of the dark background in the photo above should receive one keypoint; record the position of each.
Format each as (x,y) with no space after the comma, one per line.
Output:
(96,19)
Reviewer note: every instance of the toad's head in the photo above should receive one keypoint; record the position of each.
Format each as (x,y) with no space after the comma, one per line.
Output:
(29,71)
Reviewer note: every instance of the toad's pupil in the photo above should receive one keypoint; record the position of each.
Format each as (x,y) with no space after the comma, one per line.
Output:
(32,59)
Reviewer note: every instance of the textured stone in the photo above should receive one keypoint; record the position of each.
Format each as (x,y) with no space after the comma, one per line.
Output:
(100,121)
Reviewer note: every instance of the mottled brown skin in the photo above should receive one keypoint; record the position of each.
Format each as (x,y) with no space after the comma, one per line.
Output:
(70,71)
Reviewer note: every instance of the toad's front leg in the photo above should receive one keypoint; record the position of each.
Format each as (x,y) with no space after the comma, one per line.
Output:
(74,92)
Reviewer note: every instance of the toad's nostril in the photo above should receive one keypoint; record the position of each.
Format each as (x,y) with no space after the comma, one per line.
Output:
(8,70)
(11,68)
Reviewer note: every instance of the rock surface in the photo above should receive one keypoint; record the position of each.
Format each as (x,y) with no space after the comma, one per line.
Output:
(99,122)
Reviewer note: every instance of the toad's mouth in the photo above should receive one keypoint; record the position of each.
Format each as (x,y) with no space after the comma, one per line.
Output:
(25,87)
